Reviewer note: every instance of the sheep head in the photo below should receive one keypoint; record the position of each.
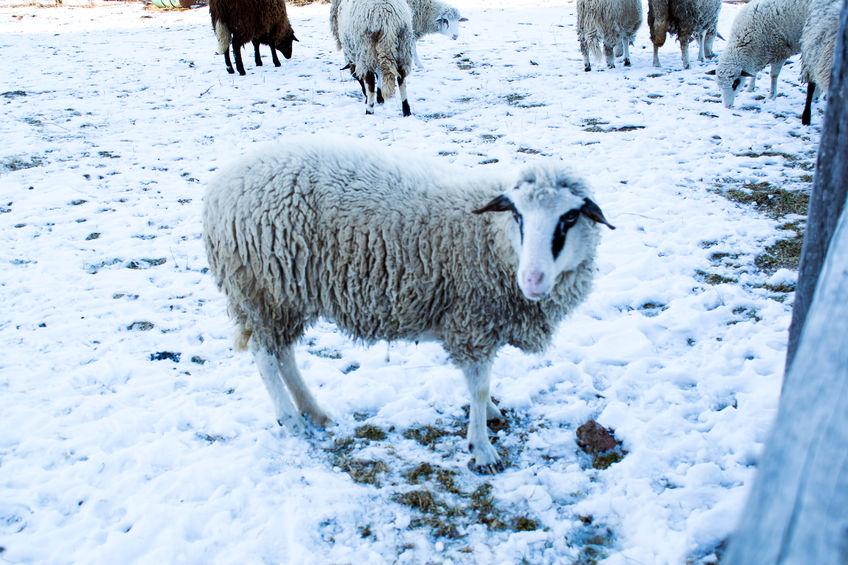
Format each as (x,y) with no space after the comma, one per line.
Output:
(447,22)
(554,228)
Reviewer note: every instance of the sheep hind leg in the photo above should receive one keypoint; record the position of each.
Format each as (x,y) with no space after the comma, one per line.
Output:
(257,59)
(370,95)
(403,100)
(806,116)
(287,414)
(484,457)
(306,403)
(626,48)
(609,55)
(684,50)
(237,53)
(775,72)
(700,39)
(229,62)
(709,39)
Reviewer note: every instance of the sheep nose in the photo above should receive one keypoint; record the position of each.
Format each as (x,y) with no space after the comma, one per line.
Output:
(534,278)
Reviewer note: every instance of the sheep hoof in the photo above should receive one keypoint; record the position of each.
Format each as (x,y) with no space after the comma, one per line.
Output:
(231,70)
(627,62)
(242,73)
(406,111)
(369,111)
(488,469)
(320,419)
(380,98)
(587,68)
(610,65)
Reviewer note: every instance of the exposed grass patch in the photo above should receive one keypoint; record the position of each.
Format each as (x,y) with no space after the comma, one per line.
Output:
(427,435)
(370,432)
(713,278)
(783,254)
(19,164)
(769,199)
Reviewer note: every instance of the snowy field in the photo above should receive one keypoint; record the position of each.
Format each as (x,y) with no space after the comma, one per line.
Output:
(130,431)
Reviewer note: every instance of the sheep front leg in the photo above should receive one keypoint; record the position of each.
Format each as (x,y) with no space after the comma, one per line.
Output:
(584,49)
(626,49)
(656,56)
(610,56)
(287,414)
(752,84)
(418,64)
(775,72)
(403,100)
(274,56)
(484,457)
(371,95)
(709,39)
(229,61)
(304,400)
(257,59)
(700,39)
(237,53)
(684,50)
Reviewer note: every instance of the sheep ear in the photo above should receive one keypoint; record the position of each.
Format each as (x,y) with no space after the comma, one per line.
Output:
(498,204)
(463,19)
(593,212)
(746,74)
(711,72)
(295,38)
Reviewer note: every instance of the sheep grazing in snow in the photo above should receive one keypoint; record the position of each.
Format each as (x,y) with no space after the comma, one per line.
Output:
(818,40)
(390,247)
(428,16)
(688,19)
(613,21)
(376,38)
(764,32)
(260,21)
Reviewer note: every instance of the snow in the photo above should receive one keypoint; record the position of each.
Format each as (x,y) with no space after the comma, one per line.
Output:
(114,118)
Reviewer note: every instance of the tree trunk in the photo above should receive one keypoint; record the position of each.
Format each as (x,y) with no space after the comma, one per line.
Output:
(798,508)
(829,191)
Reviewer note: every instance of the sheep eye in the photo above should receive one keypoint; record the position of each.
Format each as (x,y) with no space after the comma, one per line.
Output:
(566,222)
(520,221)
(569,217)
(736,84)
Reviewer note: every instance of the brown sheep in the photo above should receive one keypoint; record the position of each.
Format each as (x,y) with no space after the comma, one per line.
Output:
(260,21)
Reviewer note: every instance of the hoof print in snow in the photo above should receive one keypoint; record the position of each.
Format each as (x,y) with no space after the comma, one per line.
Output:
(198,360)
(600,443)
(350,367)
(92,235)
(140,326)
(166,356)
(145,263)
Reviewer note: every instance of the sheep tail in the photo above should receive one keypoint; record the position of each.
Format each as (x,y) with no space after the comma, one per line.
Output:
(223,34)
(242,337)
(384,48)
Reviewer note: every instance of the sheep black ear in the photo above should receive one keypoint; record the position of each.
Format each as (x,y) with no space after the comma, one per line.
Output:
(712,72)
(295,38)
(593,212)
(498,204)
(463,19)
(746,74)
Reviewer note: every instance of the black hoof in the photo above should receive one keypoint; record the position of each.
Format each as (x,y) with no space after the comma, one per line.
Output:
(587,68)
(231,70)
(406,111)
(627,62)
(278,64)
(611,66)
(242,73)
(491,469)
(258,63)
(380,98)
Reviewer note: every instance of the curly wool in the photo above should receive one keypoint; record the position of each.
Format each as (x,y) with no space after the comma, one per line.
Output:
(375,36)
(245,20)
(683,18)
(764,32)
(384,247)
(615,22)
(818,41)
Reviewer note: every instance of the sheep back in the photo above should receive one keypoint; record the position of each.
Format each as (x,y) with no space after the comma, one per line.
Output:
(613,21)
(683,18)
(765,31)
(385,248)
(264,20)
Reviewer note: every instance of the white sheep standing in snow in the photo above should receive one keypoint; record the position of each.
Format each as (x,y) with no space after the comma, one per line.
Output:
(764,32)
(688,19)
(615,22)
(818,41)
(391,247)
(376,38)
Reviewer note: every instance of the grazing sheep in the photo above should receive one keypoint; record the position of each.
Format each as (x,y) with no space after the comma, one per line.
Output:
(260,21)
(376,38)
(764,32)
(391,247)
(818,41)
(613,21)
(688,19)
(428,16)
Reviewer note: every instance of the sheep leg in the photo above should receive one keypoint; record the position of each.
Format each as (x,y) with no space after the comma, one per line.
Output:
(370,95)
(752,84)
(775,72)
(256,56)
(305,402)
(610,57)
(380,98)
(418,64)
(656,56)
(287,414)
(626,48)
(709,39)
(484,457)
(700,39)
(228,61)
(274,57)
(684,50)
(237,53)
(403,101)
(584,49)
(493,412)
(806,116)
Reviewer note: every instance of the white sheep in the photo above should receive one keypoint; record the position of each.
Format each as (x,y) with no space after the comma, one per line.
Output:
(376,38)
(688,19)
(389,246)
(764,32)
(818,41)
(615,22)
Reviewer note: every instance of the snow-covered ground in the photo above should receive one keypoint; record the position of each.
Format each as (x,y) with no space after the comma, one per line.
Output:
(131,431)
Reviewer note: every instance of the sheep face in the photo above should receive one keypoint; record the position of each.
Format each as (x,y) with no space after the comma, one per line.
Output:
(553,229)
(447,22)
(285,45)
(730,81)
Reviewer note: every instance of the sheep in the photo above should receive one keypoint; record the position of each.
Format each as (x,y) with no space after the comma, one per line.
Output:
(388,246)
(616,21)
(818,40)
(258,21)
(764,32)
(376,38)
(688,19)
(428,16)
